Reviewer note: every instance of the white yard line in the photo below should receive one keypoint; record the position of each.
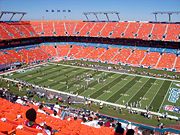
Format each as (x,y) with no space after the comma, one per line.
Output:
(137,91)
(165,97)
(148,91)
(155,94)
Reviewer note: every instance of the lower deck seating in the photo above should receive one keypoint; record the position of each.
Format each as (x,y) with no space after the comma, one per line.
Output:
(9,112)
(134,57)
(150,59)
(167,61)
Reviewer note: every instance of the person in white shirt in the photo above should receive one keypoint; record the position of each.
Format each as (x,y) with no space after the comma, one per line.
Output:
(56,107)
(20,101)
(55,115)
(40,110)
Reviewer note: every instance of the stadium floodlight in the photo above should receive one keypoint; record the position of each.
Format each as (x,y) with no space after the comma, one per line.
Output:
(100,13)
(13,14)
(169,13)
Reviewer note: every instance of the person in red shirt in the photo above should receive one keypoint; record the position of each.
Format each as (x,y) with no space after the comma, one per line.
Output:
(31,122)
(31,118)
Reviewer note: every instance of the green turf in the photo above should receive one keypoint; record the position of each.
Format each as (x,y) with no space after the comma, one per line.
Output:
(106,86)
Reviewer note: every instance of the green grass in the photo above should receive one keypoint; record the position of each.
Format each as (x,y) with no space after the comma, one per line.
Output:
(111,87)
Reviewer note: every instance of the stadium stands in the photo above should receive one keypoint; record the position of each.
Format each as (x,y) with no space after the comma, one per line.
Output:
(138,30)
(163,58)
(10,111)
(137,56)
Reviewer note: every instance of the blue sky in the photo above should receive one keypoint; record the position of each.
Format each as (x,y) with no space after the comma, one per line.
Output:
(130,10)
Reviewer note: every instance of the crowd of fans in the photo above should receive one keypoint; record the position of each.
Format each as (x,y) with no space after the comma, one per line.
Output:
(87,117)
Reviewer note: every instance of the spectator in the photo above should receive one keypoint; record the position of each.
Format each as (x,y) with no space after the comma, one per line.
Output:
(55,114)
(56,107)
(20,101)
(31,116)
(107,123)
(119,130)
(130,132)
(40,110)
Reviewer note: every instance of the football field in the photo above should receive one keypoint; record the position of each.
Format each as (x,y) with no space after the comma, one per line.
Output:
(136,91)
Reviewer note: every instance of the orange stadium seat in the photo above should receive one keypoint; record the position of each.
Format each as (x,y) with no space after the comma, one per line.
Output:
(37,26)
(177,65)
(69,27)
(151,59)
(167,61)
(94,55)
(108,30)
(119,29)
(50,50)
(85,51)
(139,30)
(5,35)
(48,28)
(86,29)
(66,127)
(78,27)
(136,57)
(97,28)
(144,31)
(109,54)
(59,28)
(132,30)
(173,32)
(122,56)
(63,50)
(74,50)
(159,30)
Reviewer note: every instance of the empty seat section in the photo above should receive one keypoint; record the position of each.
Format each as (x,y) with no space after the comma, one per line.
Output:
(59,28)
(108,30)
(94,55)
(173,32)
(151,59)
(63,50)
(144,31)
(48,28)
(49,49)
(22,30)
(84,52)
(132,30)
(69,27)
(109,54)
(27,25)
(95,31)
(158,31)
(78,27)
(37,26)
(74,50)
(136,57)
(177,65)
(119,29)
(13,54)
(4,35)
(167,61)
(86,29)
(33,55)
(121,56)
(12,30)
